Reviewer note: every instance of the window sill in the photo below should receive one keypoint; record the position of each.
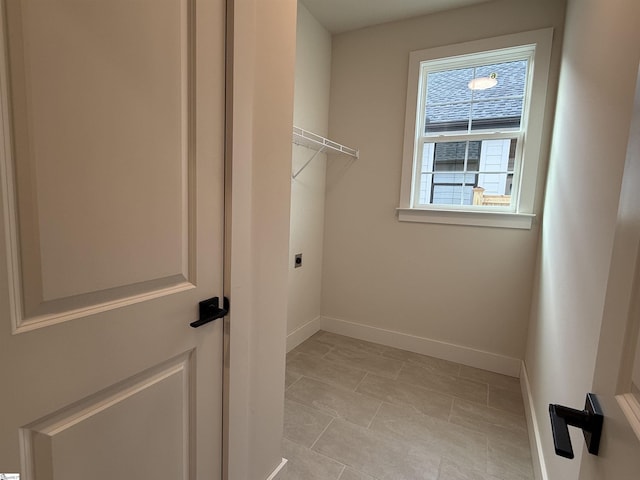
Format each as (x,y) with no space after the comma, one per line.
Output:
(522,221)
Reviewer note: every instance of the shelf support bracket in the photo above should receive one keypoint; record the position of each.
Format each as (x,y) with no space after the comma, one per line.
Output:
(317,152)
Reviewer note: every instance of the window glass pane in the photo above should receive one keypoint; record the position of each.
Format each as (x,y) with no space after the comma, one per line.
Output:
(452,195)
(450,156)
(511,78)
(495,180)
(427,157)
(424,195)
(449,86)
(447,118)
(448,105)
(501,115)
(454,178)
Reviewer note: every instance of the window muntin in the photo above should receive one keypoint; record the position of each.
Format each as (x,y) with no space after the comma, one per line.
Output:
(485,129)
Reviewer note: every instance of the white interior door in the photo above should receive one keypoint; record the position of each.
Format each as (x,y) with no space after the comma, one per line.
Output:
(111,163)
(617,366)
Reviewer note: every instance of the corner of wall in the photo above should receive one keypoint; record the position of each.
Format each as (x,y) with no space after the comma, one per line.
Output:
(311,112)
(303,332)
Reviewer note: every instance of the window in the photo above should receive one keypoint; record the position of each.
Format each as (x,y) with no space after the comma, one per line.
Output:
(471,111)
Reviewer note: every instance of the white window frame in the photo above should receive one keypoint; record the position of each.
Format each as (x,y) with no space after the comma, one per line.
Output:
(521,212)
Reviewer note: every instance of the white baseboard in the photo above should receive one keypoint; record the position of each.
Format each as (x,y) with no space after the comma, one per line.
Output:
(426,346)
(535,439)
(279,472)
(300,334)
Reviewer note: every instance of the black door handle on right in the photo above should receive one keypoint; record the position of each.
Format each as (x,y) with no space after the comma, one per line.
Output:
(210,310)
(589,420)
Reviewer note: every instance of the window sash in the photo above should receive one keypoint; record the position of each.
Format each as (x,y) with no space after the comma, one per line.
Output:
(418,172)
(475,60)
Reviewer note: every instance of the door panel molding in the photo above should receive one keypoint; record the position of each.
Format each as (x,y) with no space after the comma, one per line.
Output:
(42,289)
(7,189)
(169,384)
(35,322)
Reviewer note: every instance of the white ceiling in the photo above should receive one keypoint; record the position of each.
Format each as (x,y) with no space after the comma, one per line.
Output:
(343,15)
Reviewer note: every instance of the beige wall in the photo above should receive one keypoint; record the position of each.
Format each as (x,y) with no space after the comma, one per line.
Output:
(311,112)
(468,286)
(261,120)
(595,100)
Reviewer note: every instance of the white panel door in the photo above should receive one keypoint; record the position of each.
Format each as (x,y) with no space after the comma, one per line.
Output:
(617,366)
(111,232)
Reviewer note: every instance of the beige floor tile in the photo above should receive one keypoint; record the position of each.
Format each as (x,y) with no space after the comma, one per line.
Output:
(373,453)
(495,379)
(305,464)
(409,437)
(350,474)
(508,460)
(447,384)
(491,421)
(336,340)
(517,437)
(506,399)
(432,435)
(504,471)
(302,424)
(400,393)
(450,470)
(334,373)
(437,365)
(371,362)
(290,378)
(334,401)
(313,347)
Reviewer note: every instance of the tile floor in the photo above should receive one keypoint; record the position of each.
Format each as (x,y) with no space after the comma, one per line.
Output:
(356,410)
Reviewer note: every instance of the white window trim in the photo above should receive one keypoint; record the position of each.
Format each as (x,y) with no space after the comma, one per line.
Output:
(523,214)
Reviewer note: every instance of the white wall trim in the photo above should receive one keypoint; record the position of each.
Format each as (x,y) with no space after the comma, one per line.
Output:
(426,346)
(278,473)
(303,332)
(478,218)
(535,439)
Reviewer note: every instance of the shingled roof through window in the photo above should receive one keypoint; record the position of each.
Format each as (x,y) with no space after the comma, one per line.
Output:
(450,102)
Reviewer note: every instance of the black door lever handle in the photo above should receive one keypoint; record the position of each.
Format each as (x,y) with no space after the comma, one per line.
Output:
(589,420)
(210,310)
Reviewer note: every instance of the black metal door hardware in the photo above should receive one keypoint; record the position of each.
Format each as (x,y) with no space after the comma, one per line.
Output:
(210,310)
(589,420)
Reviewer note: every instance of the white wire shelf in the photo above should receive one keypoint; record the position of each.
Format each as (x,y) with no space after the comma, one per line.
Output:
(321,144)
(311,140)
